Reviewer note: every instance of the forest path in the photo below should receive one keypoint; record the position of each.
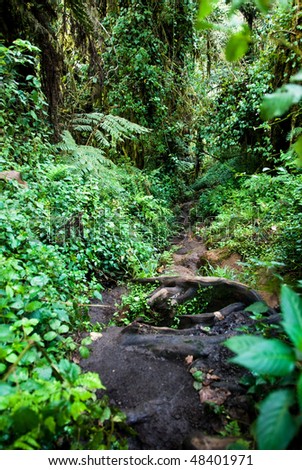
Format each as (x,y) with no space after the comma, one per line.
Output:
(148,371)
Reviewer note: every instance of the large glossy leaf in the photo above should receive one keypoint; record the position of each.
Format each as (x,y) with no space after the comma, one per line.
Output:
(205,8)
(262,356)
(275,426)
(297,146)
(278,103)
(291,304)
(264,5)
(237,45)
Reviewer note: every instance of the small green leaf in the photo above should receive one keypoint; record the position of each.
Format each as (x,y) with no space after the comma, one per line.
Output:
(90,380)
(264,5)
(63,329)
(97,295)
(17,305)
(43,372)
(197,385)
(106,414)
(11,358)
(77,409)
(237,45)
(50,424)
(257,307)
(50,335)
(84,352)
(275,426)
(5,389)
(25,419)
(297,146)
(198,376)
(86,341)
(263,356)
(6,335)
(32,306)
(54,324)
(39,280)
(9,292)
(291,305)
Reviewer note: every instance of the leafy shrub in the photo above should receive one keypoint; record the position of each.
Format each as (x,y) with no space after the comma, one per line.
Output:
(279,359)
(260,220)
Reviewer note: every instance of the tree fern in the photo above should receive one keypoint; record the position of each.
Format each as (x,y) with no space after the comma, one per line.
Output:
(105,130)
(83,157)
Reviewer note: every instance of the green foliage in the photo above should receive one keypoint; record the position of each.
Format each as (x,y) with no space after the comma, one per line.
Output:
(260,220)
(134,305)
(81,220)
(23,106)
(237,45)
(278,420)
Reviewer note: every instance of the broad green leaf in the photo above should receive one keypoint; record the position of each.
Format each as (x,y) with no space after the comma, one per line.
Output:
(50,335)
(32,306)
(257,307)
(50,424)
(91,380)
(54,324)
(2,368)
(291,305)
(264,5)
(43,372)
(86,341)
(20,374)
(237,45)
(9,291)
(106,414)
(6,335)
(275,426)
(17,305)
(205,8)
(70,370)
(278,103)
(77,409)
(40,281)
(30,356)
(297,146)
(84,352)
(5,389)
(262,356)
(97,295)
(25,419)
(11,358)
(63,329)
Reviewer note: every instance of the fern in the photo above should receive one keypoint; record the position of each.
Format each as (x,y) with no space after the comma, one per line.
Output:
(85,158)
(105,130)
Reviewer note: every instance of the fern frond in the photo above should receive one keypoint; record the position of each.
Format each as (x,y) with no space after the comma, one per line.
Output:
(107,129)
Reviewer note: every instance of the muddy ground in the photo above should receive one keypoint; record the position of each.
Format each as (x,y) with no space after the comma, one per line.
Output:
(148,371)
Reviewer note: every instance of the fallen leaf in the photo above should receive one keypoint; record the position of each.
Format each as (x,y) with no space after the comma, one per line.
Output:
(189,360)
(217,395)
(218,315)
(94,336)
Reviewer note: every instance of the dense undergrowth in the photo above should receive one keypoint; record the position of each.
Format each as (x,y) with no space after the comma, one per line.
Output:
(73,228)
(88,217)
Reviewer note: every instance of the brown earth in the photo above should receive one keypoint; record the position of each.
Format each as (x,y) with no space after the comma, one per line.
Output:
(148,370)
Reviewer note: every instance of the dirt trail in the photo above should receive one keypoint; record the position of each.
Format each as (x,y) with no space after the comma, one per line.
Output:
(148,371)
